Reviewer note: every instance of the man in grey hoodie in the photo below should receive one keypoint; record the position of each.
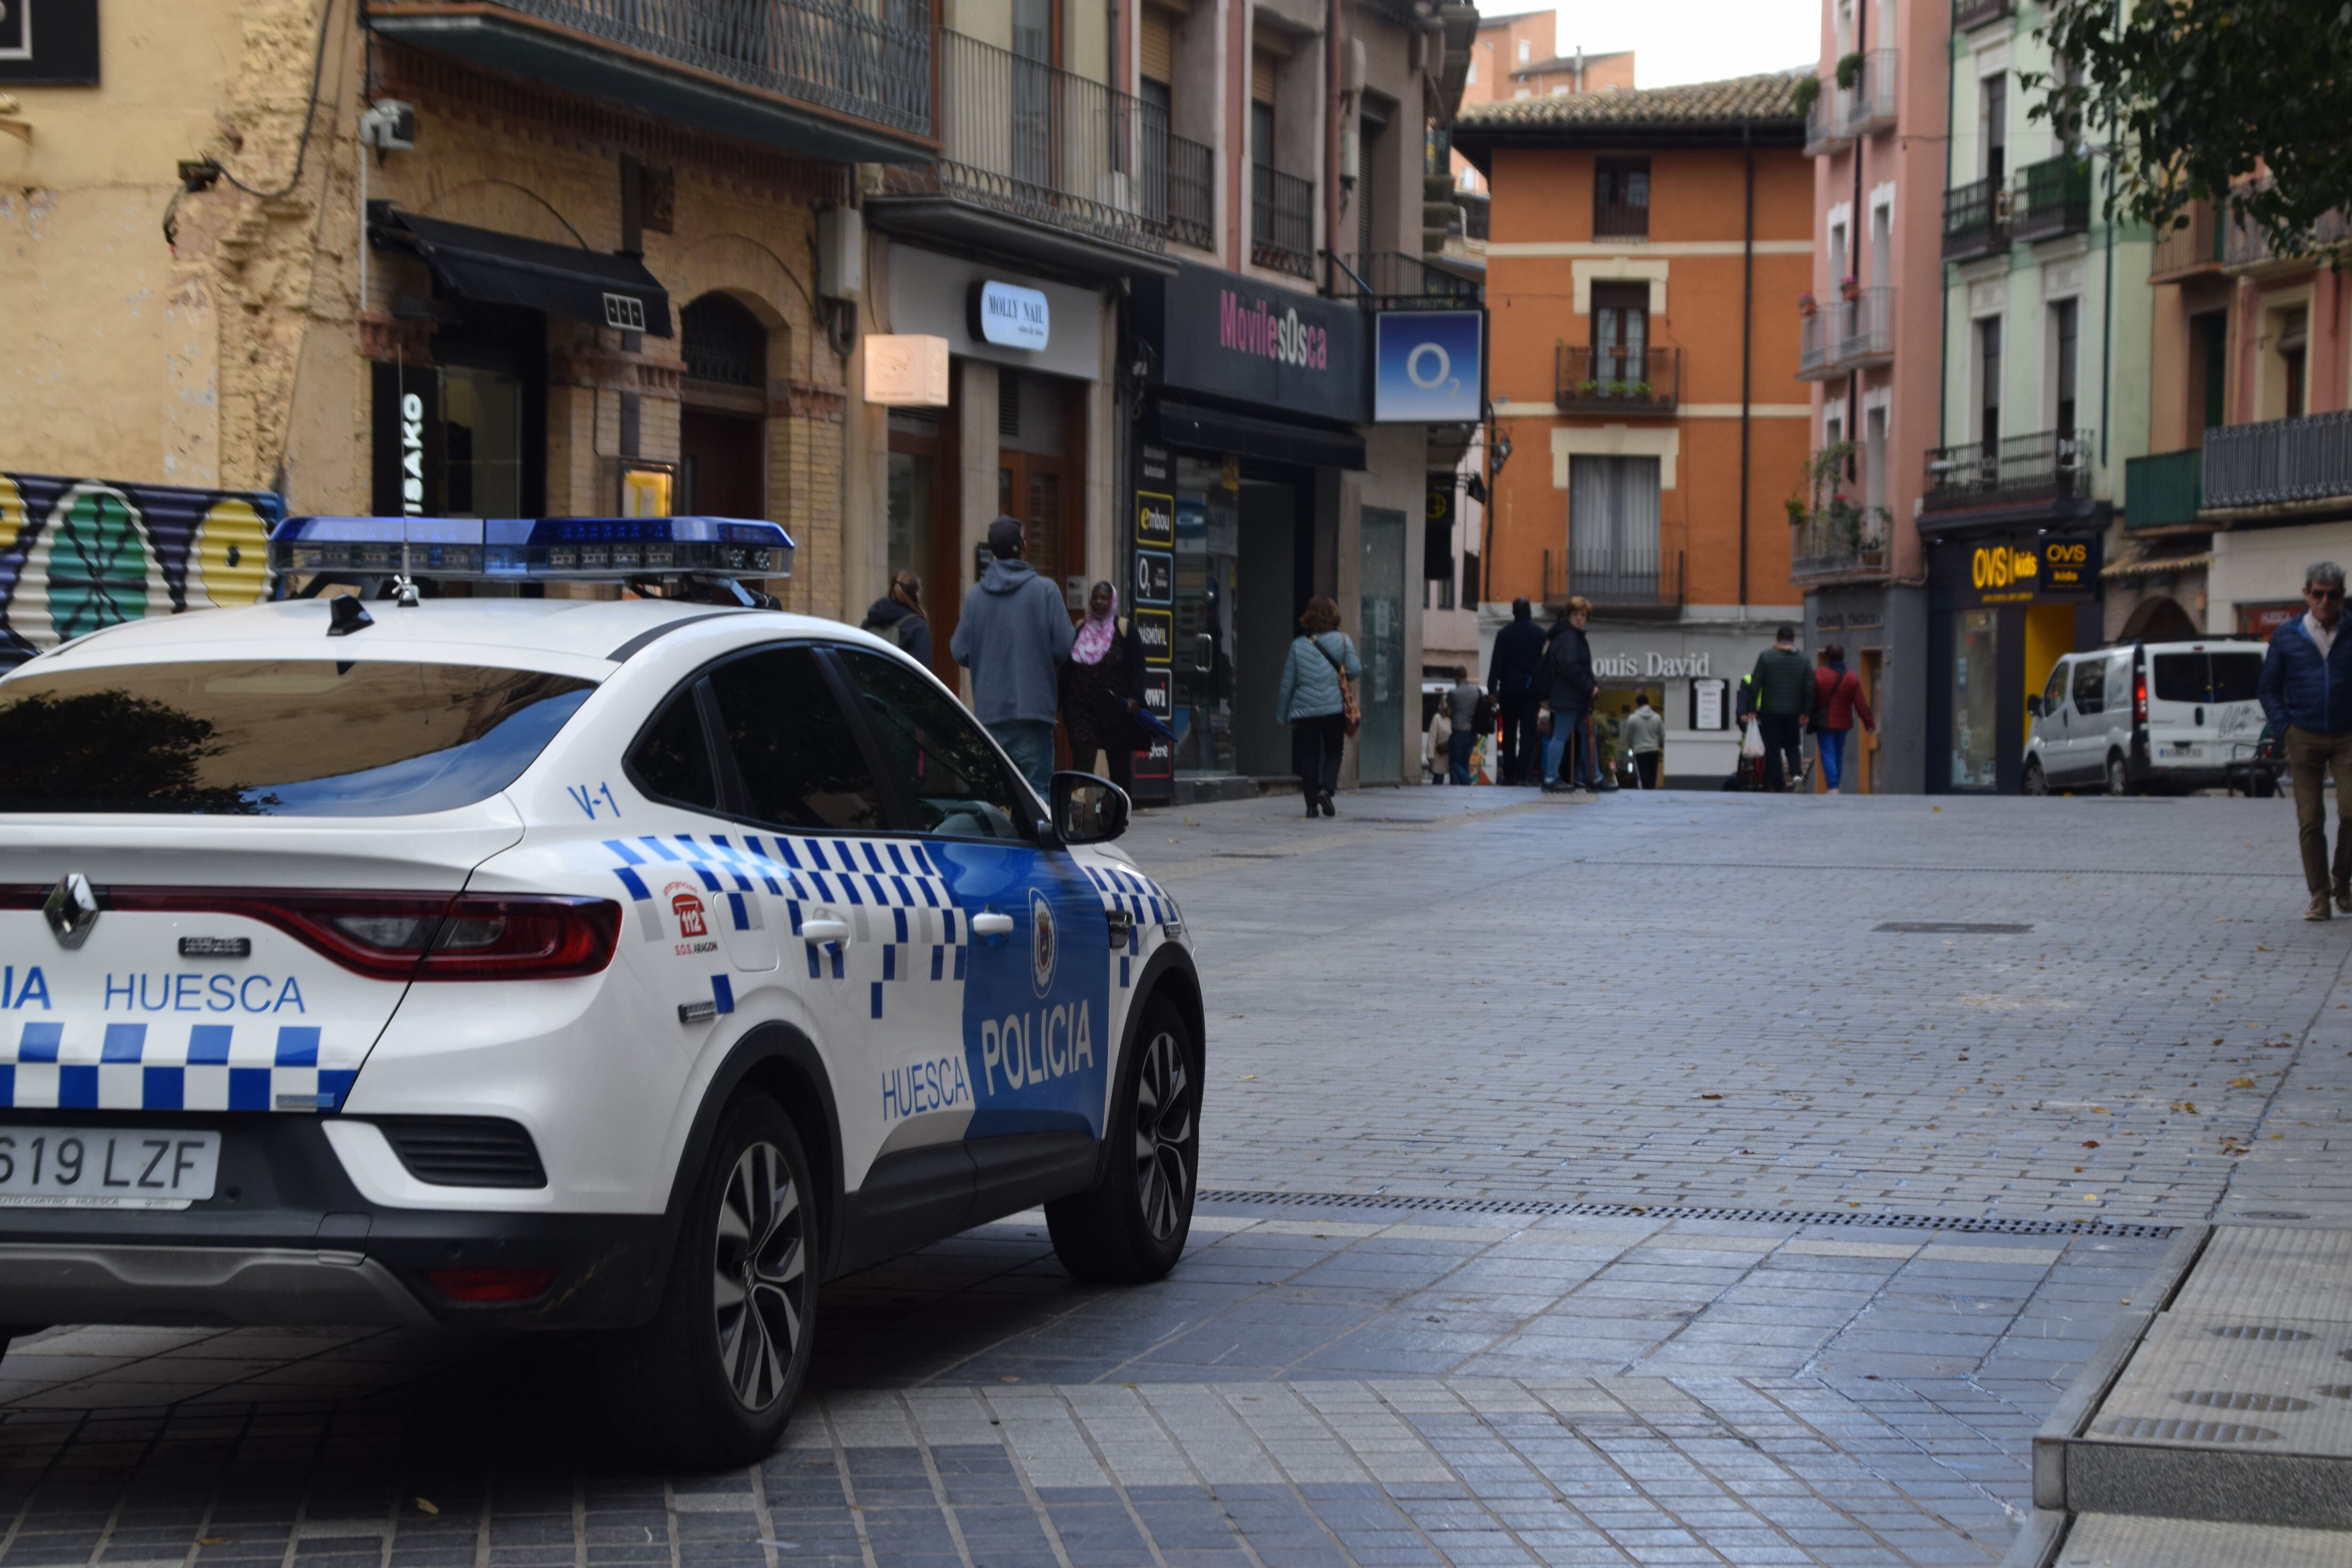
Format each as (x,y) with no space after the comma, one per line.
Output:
(1014,637)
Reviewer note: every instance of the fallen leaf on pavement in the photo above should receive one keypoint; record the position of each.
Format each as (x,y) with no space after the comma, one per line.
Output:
(2090,1143)
(428,1505)
(2242,1083)
(1710,1097)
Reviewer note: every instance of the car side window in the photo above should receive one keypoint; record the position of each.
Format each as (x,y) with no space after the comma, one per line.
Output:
(2091,686)
(798,761)
(2119,682)
(671,759)
(942,761)
(2056,692)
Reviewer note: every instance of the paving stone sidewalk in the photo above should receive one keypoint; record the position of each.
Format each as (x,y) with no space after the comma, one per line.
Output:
(1594,1184)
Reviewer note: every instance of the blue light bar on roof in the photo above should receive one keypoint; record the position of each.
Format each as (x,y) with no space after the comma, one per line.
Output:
(521,548)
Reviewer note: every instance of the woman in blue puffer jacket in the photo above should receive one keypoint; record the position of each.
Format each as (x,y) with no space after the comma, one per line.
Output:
(1312,703)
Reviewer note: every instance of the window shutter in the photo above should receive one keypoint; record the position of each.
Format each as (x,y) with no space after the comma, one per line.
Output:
(1157,44)
(1261,77)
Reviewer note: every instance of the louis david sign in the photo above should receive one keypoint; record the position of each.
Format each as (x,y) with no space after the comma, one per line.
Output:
(1010,316)
(1236,338)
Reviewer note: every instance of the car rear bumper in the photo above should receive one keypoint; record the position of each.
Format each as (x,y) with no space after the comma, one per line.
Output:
(287,1239)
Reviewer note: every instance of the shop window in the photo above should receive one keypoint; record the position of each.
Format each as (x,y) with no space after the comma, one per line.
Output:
(1976,704)
(481,433)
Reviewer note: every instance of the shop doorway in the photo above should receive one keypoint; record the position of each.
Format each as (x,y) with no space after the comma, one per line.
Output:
(1976,699)
(723,434)
(1040,456)
(721,469)
(1241,582)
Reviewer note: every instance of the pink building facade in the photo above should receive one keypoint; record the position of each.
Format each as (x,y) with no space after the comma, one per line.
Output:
(1872,349)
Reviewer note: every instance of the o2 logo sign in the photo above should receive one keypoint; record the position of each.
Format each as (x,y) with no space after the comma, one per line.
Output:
(1428,366)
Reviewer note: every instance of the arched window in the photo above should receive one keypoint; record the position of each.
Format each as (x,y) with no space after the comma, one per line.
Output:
(724,343)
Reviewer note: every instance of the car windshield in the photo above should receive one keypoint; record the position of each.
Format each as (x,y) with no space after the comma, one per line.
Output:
(275,737)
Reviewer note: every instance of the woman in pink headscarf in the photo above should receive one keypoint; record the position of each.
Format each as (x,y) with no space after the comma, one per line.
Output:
(1101,687)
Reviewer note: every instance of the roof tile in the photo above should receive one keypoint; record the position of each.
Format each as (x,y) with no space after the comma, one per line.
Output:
(1767,96)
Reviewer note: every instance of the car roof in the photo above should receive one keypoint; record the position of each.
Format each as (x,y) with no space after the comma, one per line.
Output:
(568,631)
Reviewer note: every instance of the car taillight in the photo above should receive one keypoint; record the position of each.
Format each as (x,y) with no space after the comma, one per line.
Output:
(415,936)
(492,1284)
(2139,701)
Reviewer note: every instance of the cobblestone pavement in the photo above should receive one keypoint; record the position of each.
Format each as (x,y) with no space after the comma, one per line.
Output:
(1589,1184)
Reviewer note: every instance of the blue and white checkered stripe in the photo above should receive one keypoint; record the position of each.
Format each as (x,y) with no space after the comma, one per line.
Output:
(868,881)
(1140,897)
(172,1066)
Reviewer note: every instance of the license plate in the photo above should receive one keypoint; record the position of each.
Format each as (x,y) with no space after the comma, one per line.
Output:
(2181,752)
(106,1167)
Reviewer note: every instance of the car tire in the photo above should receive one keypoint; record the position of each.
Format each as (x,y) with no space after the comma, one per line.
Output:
(1131,1226)
(2118,775)
(712,1379)
(2036,781)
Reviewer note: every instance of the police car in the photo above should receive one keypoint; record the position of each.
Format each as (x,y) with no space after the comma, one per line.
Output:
(626,964)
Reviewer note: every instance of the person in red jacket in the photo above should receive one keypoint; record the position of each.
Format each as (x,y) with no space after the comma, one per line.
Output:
(1837,700)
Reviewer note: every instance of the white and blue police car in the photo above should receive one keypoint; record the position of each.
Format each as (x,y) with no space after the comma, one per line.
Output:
(628,964)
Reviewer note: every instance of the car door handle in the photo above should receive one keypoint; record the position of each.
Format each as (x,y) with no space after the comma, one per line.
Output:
(825,931)
(992,924)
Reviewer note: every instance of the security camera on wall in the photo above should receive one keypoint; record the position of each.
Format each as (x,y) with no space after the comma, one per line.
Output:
(389,126)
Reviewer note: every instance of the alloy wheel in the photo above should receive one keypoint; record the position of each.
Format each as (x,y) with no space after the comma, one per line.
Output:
(2117,782)
(1163,1129)
(760,1276)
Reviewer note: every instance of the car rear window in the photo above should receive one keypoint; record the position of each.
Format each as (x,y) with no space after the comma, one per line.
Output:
(275,737)
(2207,677)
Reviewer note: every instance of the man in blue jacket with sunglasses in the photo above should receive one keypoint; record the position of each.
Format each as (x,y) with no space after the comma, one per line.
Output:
(2306,686)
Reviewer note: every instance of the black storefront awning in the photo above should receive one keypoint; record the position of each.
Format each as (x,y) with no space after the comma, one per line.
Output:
(1270,440)
(490,268)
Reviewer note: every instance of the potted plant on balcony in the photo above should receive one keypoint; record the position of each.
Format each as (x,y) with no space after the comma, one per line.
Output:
(1804,94)
(1806,305)
(1850,288)
(1642,390)
(1849,71)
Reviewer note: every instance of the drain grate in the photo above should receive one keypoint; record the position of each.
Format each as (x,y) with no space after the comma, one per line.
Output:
(2177,1429)
(1954,928)
(1537,1208)
(2335,1390)
(2233,1399)
(2267,1331)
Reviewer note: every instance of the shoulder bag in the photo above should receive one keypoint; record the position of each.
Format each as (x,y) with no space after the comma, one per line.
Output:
(1349,710)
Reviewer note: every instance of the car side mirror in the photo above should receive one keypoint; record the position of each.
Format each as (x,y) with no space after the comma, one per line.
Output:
(2033,707)
(1087,809)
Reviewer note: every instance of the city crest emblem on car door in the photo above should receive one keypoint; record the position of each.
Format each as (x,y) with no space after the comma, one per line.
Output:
(1045,948)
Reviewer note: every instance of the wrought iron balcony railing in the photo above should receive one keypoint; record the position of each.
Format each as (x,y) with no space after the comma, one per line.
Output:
(2279,462)
(1617,381)
(1976,220)
(1841,540)
(864,64)
(2051,198)
(1394,281)
(1826,128)
(2018,470)
(2243,245)
(1621,220)
(1630,579)
(1046,145)
(1967,13)
(1282,220)
(1847,334)
(1868,107)
(1188,200)
(1817,342)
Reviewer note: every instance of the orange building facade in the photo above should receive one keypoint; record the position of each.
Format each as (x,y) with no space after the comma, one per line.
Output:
(1643,368)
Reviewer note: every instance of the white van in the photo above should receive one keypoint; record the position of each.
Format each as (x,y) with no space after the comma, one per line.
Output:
(2163,717)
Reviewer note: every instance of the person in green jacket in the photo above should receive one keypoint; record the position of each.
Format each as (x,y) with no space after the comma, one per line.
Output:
(1784,696)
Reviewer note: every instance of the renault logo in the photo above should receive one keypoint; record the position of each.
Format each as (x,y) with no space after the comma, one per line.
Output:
(71,910)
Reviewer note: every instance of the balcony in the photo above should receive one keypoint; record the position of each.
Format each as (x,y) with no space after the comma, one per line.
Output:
(1617,382)
(2163,490)
(1841,540)
(2051,198)
(1967,13)
(1620,220)
(2246,246)
(1976,220)
(2044,468)
(1282,221)
(1477,207)
(1868,107)
(1628,581)
(1187,199)
(2279,462)
(1825,123)
(2194,251)
(1040,162)
(1394,281)
(1847,335)
(843,79)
